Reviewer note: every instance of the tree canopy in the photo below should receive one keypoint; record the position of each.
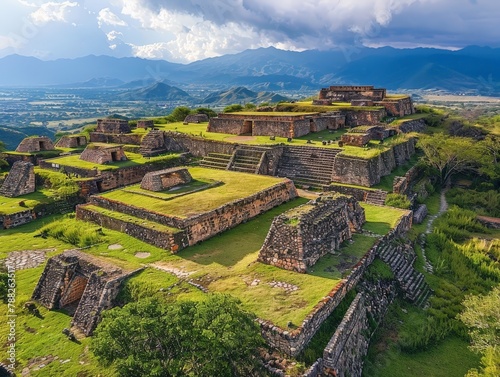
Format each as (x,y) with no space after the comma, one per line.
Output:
(450,155)
(213,337)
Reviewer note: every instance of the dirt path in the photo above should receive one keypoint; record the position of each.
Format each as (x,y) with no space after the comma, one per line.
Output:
(443,207)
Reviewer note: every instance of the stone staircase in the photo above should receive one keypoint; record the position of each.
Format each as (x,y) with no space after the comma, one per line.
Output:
(401,258)
(216,161)
(376,197)
(153,144)
(248,159)
(308,166)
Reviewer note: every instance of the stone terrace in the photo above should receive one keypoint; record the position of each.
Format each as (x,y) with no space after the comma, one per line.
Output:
(186,217)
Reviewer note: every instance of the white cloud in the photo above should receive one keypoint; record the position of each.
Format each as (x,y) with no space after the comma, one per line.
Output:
(52,11)
(151,51)
(107,17)
(112,35)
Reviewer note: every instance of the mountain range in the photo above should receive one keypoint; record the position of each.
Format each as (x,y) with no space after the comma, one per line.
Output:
(474,69)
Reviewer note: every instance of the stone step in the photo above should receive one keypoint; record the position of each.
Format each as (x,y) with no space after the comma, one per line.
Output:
(243,169)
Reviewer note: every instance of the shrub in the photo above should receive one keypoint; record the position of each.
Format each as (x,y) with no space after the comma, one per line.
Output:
(397,200)
(77,233)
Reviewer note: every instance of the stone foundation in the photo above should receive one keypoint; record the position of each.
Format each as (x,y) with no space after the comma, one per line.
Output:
(113,126)
(103,154)
(300,236)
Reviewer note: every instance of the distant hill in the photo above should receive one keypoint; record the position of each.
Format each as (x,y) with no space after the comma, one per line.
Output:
(473,69)
(158,91)
(241,95)
(100,82)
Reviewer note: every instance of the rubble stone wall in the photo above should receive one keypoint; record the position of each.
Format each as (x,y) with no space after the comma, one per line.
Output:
(300,236)
(101,137)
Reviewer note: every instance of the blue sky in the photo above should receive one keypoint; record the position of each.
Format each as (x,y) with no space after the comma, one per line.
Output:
(189,30)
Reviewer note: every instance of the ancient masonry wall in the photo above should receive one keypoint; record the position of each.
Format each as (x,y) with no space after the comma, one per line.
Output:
(292,342)
(35,144)
(363,117)
(367,172)
(76,277)
(163,179)
(417,125)
(206,225)
(402,185)
(164,240)
(299,237)
(111,179)
(101,137)
(359,194)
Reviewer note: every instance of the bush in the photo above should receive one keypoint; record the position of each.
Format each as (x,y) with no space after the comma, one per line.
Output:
(76,233)
(397,200)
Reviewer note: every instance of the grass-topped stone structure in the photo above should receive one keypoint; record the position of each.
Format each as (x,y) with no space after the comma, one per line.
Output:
(301,236)
(192,211)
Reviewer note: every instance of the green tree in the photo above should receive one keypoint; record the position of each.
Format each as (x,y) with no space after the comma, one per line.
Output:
(179,114)
(205,110)
(232,108)
(450,155)
(482,317)
(3,163)
(250,106)
(214,337)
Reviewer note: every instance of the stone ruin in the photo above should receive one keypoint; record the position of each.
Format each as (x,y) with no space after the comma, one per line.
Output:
(20,180)
(35,144)
(300,236)
(153,144)
(366,95)
(165,179)
(145,123)
(79,283)
(100,153)
(269,124)
(196,118)
(360,136)
(72,141)
(113,126)
(347,93)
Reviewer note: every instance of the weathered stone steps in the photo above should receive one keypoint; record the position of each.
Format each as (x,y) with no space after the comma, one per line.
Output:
(376,197)
(401,260)
(216,161)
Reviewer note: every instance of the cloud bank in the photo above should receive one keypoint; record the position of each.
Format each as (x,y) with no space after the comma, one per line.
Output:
(184,31)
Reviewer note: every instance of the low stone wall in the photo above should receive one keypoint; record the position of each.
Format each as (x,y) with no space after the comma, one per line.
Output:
(358,193)
(197,146)
(416,125)
(17,219)
(403,185)
(367,172)
(206,225)
(100,137)
(163,240)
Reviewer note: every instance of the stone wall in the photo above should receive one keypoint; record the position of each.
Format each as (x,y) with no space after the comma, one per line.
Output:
(417,125)
(164,179)
(145,123)
(71,141)
(20,180)
(358,193)
(100,137)
(113,126)
(398,107)
(300,236)
(203,226)
(173,241)
(17,219)
(344,93)
(196,118)
(367,172)
(35,144)
(356,139)
(402,185)
(354,118)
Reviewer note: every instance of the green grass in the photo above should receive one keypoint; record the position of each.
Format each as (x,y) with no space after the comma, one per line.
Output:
(235,186)
(380,219)
(13,205)
(406,118)
(134,159)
